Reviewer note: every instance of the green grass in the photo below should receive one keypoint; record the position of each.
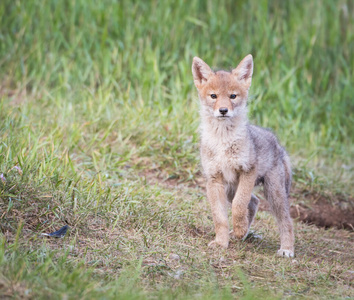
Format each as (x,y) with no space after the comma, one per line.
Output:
(99,112)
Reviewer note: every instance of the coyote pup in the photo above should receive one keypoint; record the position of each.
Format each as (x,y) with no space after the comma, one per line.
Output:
(236,156)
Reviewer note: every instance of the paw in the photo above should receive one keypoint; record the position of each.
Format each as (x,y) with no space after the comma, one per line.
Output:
(241,229)
(285,253)
(240,232)
(215,244)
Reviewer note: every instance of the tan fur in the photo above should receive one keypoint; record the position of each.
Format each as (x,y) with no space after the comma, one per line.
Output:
(236,155)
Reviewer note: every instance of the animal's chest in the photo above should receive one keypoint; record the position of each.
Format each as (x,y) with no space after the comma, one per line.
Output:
(227,158)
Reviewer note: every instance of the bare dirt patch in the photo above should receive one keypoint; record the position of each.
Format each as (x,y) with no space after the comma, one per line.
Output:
(325,213)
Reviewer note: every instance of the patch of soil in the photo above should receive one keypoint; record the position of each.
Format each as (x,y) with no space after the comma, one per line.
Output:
(324,214)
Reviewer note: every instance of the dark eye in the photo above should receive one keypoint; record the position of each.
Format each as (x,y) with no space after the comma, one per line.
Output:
(213,96)
(232,96)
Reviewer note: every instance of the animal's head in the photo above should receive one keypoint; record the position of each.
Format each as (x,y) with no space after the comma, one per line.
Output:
(223,94)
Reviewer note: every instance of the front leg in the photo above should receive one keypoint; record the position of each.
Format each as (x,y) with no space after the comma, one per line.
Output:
(217,198)
(240,204)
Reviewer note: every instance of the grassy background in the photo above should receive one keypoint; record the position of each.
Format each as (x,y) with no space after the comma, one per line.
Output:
(97,100)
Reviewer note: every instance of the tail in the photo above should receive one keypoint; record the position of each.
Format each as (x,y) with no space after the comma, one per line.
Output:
(288,173)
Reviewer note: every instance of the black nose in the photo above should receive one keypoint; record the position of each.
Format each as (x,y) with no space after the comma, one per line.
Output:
(223,110)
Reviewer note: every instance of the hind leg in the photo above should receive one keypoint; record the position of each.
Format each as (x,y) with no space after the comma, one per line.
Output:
(275,192)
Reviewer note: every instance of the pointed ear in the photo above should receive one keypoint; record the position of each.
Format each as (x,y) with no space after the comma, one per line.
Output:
(201,71)
(244,71)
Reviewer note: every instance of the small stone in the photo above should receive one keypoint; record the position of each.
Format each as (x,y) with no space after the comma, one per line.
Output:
(176,275)
(174,256)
